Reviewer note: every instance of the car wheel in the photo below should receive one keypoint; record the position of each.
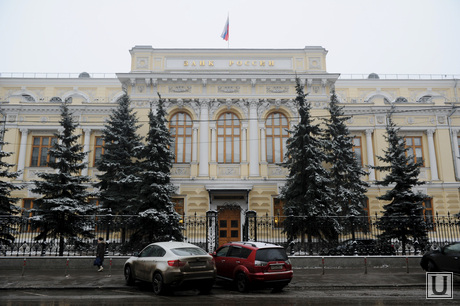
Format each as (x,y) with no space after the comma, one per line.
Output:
(159,288)
(242,282)
(431,266)
(129,279)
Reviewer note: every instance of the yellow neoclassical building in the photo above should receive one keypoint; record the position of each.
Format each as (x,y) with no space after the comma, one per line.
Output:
(228,111)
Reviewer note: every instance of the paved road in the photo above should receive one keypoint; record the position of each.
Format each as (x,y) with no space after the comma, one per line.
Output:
(222,296)
(309,287)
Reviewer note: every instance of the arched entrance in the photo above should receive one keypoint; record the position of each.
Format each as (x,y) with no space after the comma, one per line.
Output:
(230,205)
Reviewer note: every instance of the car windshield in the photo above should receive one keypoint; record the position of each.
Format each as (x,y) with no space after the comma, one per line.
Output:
(271,254)
(188,251)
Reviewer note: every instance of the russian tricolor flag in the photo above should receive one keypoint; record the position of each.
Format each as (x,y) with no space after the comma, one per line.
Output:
(225,33)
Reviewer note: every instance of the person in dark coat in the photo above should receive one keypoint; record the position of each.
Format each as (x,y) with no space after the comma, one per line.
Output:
(100,251)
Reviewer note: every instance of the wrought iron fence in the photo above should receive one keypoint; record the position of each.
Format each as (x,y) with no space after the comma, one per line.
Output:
(360,236)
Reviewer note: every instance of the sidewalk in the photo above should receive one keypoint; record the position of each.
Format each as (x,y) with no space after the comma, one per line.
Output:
(303,278)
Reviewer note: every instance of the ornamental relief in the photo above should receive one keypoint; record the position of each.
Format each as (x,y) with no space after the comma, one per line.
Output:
(228,170)
(215,104)
(266,104)
(180,89)
(33,174)
(142,62)
(228,89)
(170,104)
(277,171)
(277,89)
(180,170)
(442,120)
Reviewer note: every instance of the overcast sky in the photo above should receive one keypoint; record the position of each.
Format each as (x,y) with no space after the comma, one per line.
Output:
(362,36)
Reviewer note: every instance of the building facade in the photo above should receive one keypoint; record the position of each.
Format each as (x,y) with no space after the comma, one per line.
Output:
(229,111)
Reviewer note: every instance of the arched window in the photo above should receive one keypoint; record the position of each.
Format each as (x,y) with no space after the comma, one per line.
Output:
(27,98)
(228,138)
(276,135)
(180,128)
(55,99)
(401,100)
(425,99)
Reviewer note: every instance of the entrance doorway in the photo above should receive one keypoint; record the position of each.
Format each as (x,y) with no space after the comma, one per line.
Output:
(229,225)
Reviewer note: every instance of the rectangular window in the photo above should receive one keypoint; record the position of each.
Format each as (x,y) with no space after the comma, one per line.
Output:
(278,212)
(99,224)
(179,206)
(358,149)
(27,205)
(98,149)
(40,149)
(428,213)
(415,148)
(365,206)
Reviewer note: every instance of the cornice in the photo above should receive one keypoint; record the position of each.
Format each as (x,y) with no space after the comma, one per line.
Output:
(389,83)
(55,108)
(66,82)
(226,52)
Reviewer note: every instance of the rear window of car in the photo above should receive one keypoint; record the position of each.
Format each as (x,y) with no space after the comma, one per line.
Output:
(188,251)
(239,252)
(271,254)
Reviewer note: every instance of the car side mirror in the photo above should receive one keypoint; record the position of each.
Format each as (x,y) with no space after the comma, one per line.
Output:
(136,254)
(214,254)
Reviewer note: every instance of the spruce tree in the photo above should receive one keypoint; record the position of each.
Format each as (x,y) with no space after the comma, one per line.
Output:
(65,197)
(158,219)
(403,216)
(7,203)
(306,194)
(347,187)
(118,185)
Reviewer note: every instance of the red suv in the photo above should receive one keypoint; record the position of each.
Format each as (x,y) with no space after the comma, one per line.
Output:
(253,263)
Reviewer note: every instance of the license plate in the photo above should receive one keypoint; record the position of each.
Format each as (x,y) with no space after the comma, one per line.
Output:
(197,264)
(276,267)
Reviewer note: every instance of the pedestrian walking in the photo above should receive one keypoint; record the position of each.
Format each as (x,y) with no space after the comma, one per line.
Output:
(100,252)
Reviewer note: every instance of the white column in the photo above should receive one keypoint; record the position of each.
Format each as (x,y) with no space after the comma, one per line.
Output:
(456,153)
(432,152)
(195,143)
(213,143)
(203,168)
(370,154)
(263,153)
(244,131)
(253,139)
(22,153)
(86,140)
